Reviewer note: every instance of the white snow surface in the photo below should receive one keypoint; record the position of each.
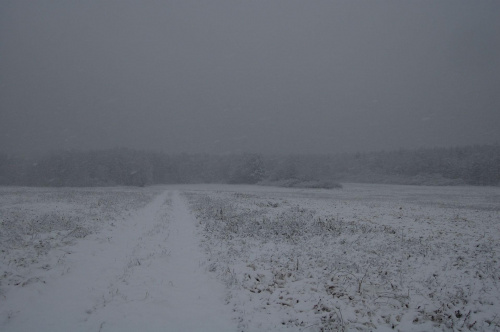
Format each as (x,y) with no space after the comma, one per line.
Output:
(250,258)
(364,258)
(144,274)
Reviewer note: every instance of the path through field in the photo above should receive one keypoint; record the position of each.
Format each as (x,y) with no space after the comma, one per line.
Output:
(147,274)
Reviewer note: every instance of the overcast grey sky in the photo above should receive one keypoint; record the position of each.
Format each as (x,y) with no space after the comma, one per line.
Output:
(259,76)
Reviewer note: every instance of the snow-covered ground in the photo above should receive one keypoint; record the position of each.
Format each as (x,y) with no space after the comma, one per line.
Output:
(249,258)
(139,269)
(367,257)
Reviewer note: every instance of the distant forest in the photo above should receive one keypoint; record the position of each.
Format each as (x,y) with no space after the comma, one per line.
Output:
(472,165)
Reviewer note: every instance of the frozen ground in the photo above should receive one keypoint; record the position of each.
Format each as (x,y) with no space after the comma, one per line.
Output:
(366,257)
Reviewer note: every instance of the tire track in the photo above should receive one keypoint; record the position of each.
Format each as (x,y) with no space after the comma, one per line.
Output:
(147,274)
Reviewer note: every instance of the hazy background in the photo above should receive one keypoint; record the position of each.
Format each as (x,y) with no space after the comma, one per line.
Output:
(248,76)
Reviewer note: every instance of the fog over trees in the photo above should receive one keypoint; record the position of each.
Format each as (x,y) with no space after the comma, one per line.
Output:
(284,92)
(473,165)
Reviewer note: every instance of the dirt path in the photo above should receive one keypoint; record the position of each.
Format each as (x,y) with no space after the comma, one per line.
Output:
(144,275)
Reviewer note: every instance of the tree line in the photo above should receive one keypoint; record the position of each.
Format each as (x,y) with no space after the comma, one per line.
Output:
(471,165)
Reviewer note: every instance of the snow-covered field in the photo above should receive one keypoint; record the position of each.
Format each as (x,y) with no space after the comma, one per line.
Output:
(249,258)
(104,260)
(367,257)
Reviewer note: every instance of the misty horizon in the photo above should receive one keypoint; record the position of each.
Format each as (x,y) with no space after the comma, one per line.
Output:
(261,77)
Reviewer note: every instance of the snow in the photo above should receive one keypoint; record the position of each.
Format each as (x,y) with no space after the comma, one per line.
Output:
(145,274)
(250,258)
(368,257)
